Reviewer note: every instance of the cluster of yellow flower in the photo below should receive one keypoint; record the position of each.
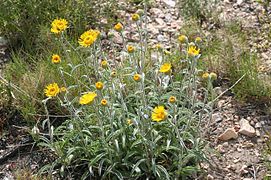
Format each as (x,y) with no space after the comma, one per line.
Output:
(193,50)
(159,113)
(212,76)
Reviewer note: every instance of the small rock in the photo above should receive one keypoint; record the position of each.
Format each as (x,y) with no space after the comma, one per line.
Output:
(210,177)
(236,161)
(248,144)
(265,56)
(168,17)
(169,3)
(243,169)
(152,29)
(160,21)
(259,141)
(220,149)
(156,11)
(258,125)
(216,117)
(220,103)
(246,128)
(258,133)
(117,38)
(225,144)
(239,2)
(160,38)
(228,134)
(218,90)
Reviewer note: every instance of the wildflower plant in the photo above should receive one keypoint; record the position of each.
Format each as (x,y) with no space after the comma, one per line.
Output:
(128,119)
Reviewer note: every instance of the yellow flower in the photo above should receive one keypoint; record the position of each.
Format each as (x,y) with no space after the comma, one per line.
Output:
(183,39)
(193,50)
(88,38)
(113,74)
(159,114)
(205,76)
(165,68)
(59,25)
(52,90)
(137,77)
(87,98)
(213,76)
(130,49)
(172,99)
(129,121)
(135,17)
(103,102)
(99,85)
(56,59)
(118,27)
(104,63)
(198,40)
(63,89)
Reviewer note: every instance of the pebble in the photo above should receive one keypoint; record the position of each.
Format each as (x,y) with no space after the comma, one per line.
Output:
(258,125)
(216,117)
(210,177)
(228,134)
(220,103)
(258,133)
(160,38)
(220,149)
(169,3)
(246,128)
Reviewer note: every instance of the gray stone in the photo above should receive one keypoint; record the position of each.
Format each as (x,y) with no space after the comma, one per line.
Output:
(216,117)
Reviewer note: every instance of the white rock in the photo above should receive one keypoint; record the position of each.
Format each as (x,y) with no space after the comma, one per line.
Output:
(228,134)
(160,38)
(220,103)
(239,2)
(156,11)
(246,128)
(160,21)
(210,177)
(218,90)
(258,125)
(258,133)
(152,29)
(170,3)
(168,17)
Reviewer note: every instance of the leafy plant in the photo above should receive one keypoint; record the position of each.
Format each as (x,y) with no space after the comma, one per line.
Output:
(131,119)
